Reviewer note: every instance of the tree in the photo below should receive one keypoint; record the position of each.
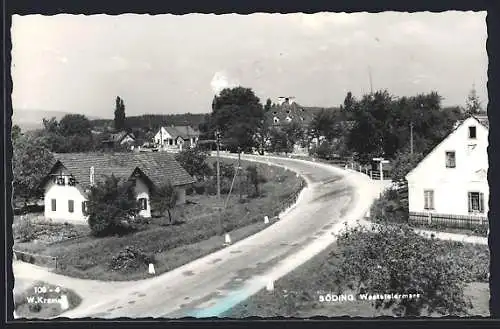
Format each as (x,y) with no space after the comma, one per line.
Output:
(194,161)
(473,104)
(164,199)
(394,259)
(50,125)
(294,133)
(324,124)
(31,163)
(403,163)
(268,105)
(75,124)
(112,206)
(16,132)
(255,178)
(119,114)
(237,114)
(348,106)
(263,136)
(279,142)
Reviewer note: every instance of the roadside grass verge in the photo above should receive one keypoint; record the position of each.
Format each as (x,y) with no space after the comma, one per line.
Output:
(194,233)
(297,294)
(28,306)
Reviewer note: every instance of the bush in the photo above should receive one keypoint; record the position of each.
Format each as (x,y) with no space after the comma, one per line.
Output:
(395,259)
(25,230)
(389,208)
(194,162)
(255,178)
(131,258)
(112,206)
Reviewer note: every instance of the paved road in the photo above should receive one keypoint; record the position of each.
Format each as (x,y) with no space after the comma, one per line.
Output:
(213,284)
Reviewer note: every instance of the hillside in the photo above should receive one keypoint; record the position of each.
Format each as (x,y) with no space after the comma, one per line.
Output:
(154,121)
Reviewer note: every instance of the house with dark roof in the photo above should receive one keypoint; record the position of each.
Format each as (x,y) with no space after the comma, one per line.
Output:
(119,139)
(452,180)
(68,182)
(176,138)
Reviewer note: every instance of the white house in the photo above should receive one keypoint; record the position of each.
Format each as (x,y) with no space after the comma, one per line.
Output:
(175,138)
(67,184)
(451,180)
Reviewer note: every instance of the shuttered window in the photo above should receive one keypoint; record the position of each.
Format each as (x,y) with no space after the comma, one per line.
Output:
(85,208)
(450,159)
(53,203)
(476,202)
(71,206)
(428,199)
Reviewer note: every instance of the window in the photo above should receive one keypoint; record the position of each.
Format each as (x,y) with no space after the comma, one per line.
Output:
(450,159)
(85,208)
(71,206)
(53,202)
(472,132)
(60,181)
(476,202)
(143,204)
(428,199)
(71,181)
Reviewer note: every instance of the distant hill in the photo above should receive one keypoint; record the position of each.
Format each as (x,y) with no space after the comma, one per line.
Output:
(32,119)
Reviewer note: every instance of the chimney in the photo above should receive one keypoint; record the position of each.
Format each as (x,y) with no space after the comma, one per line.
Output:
(92,176)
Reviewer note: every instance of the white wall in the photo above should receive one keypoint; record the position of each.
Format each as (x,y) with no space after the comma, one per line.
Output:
(181,195)
(161,136)
(63,193)
(451,185)
(142,191)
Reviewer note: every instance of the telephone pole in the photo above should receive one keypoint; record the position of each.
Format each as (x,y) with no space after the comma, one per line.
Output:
(411,137)
(217,142)
(239,168)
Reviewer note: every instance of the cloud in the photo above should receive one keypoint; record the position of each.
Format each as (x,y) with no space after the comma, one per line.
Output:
(221,80)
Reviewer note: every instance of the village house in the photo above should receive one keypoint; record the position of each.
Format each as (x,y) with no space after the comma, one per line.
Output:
(451,181)
(121,138)
(66,186)
(176,138)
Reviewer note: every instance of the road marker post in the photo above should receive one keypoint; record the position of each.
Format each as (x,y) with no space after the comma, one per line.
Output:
(151,269)
(266,220)
(64,302)
(227,239)
(270,285)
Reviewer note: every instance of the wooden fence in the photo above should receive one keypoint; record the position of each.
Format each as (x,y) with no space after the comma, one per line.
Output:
(455,221)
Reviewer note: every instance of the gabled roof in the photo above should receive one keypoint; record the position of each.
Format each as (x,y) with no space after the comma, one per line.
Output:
(159,167)
(185,132)
(298,113)
(119,136)
(443,141)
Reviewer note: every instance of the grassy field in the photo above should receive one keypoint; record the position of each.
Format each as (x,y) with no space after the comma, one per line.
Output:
(26,305)
(297,294)
(195,233)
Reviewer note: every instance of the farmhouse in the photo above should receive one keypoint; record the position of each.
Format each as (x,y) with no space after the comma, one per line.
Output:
(450,182)
(67,184)
(119,138)
(175,138)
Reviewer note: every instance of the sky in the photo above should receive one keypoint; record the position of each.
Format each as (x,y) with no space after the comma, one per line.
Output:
(176,64)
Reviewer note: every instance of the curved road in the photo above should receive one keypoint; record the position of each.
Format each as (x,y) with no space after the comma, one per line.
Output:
(213,284)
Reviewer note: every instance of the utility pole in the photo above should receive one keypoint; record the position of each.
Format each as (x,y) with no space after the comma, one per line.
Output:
(411,137)
(239,168)
(217,141)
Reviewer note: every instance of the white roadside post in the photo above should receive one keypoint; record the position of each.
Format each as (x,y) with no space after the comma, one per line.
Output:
(151,269)
(227,239)
(266,220)
(270,285)
(64,302)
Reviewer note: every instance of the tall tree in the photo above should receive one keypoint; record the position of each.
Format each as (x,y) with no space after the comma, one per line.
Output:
(50,125)
(75,124)
(473,104)
(237,114)
(31,162)
(324,124)
(119,114)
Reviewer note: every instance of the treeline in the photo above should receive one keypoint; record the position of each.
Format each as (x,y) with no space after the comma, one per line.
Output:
(152,122)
